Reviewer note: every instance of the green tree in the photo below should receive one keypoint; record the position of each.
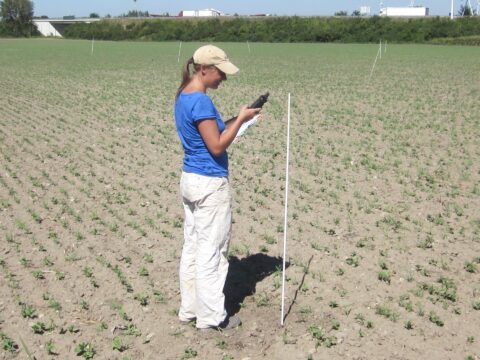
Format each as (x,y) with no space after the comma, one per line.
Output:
(465,11)
(94,16)
(17,17)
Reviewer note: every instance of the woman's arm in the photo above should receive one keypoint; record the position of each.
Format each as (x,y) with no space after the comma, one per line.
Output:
(229,121)
(218,142)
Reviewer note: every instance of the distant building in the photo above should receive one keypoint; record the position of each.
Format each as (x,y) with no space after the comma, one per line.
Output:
(365,11)
(408,11)
(200,13)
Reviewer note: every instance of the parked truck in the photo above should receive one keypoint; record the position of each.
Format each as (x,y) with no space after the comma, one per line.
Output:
(408,11)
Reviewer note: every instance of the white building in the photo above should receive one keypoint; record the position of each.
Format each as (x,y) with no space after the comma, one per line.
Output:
(408,11)
(201,13)
(365,10)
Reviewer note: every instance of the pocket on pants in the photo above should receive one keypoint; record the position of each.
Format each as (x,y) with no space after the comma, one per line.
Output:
(218,193)
(204,190)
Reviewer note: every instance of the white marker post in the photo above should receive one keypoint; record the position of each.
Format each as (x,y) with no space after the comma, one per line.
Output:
(248,45)
(286,215)
(374,63)
(93,41)
(380,50)
(179,51)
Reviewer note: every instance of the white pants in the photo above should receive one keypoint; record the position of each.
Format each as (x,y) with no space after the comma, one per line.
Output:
(204,262)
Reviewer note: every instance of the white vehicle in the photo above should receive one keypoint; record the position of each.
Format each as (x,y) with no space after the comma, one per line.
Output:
(408,11)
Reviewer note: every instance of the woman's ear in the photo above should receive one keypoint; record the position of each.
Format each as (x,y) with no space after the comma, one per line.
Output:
(203,69)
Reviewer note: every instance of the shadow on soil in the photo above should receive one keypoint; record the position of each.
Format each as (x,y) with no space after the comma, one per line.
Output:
(243,276)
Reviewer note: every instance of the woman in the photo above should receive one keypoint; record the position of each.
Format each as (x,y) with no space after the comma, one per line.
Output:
(205,189)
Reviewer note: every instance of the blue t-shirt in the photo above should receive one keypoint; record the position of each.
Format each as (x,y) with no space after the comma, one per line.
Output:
(190,109)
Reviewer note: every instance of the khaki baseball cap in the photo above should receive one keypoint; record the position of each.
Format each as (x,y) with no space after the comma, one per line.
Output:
(212,55)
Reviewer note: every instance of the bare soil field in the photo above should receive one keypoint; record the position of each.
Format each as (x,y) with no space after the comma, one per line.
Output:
(384,203)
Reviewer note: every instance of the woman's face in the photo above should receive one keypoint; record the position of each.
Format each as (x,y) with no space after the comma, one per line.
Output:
(214,77)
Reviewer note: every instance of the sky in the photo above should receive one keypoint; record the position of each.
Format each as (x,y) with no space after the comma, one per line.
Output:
(83,8)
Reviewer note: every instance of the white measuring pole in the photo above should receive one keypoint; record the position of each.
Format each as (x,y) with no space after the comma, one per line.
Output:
(380,49)
(374,63)
(179,51)
(286,215)
(93,41)
(248,44)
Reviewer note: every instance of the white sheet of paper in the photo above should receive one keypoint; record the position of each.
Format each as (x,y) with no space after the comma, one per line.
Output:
(246,125)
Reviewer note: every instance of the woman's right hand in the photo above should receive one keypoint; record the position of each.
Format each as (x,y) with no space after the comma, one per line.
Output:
(246,113)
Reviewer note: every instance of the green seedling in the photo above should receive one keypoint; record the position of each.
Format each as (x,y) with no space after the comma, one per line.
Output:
(427,243)
(119,345)
(143,271)
(262,300)
(50,347)
(40,327)
(333,304)
(85,350)
(384,275)
(385,311)
(433,317)
(37,274)
(221,344)
(189,353)
(47,261)
(8,344)
(142,298)
(123,278)
(28,311)
(102,326)
(159,297)
(471,267)
(320,336)
(132,330)
(25,262)
(353,260)
(87,271)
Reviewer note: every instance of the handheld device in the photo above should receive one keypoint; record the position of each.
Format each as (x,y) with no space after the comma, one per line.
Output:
(262,99)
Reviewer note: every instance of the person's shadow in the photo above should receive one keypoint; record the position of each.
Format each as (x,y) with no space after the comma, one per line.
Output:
(243,276)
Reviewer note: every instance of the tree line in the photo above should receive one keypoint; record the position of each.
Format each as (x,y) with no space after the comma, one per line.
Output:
(16,20)
(280,29)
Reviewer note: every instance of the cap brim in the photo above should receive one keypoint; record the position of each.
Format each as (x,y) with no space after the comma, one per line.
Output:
(227,67)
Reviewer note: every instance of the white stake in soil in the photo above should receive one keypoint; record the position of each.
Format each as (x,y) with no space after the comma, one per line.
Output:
(179,51)
(286,213)
(93,41)
(375,62)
